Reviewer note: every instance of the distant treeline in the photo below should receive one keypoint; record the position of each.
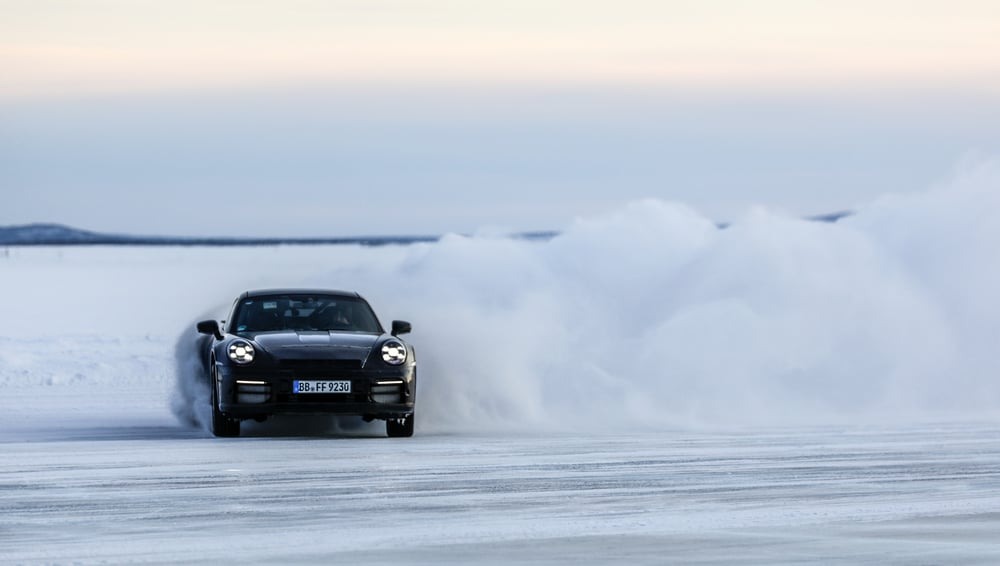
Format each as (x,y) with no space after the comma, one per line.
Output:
(59,235)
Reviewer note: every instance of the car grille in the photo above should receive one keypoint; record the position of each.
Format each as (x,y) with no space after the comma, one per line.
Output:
(322,398)
(390,392)
(320,365)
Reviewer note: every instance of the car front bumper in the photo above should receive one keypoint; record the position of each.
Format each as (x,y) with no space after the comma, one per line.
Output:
(381,394)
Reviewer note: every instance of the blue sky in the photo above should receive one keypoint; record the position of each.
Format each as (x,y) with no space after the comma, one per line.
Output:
(428,116)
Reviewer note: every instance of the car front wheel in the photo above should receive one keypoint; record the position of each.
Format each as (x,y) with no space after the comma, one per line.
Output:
(221,424)
(399,428)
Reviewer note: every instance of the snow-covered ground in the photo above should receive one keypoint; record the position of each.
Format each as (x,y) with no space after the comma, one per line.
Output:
(644,387)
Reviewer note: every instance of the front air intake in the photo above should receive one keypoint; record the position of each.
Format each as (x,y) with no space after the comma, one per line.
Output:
(252,392)
(388,392)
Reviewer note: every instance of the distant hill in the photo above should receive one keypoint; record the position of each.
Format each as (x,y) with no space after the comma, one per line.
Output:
(45,233)
(59,235)
(830,216)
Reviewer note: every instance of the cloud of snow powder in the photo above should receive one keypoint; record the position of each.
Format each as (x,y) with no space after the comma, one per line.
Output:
(650,316)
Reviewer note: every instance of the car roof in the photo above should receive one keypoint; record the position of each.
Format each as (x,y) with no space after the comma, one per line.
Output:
(295,291)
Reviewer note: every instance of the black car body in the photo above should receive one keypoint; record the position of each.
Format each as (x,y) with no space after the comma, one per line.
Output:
(308,351)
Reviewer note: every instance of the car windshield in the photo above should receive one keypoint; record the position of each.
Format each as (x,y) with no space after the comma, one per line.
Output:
(305,312)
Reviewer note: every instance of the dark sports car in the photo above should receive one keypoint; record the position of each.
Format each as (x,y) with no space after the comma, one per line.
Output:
(308,351)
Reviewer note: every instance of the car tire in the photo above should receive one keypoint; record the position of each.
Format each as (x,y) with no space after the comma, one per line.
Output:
(399,428)
(222,425)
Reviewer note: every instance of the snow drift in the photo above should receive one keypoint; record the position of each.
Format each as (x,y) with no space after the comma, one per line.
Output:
(651,316)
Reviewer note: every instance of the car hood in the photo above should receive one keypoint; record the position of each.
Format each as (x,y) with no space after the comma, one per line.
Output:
(317,345)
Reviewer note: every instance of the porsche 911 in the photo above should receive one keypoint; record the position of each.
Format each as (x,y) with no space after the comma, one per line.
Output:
(310,352)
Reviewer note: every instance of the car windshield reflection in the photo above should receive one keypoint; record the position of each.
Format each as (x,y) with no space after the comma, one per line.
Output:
(305,313)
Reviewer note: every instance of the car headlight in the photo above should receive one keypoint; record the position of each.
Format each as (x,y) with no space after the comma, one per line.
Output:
(393,353)
(241,352)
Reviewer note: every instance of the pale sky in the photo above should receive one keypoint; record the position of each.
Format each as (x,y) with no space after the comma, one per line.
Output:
(353,117)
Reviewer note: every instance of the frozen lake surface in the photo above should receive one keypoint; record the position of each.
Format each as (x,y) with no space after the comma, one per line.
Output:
(150,490)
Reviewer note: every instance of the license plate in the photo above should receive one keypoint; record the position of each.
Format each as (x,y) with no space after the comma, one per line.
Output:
(321,386)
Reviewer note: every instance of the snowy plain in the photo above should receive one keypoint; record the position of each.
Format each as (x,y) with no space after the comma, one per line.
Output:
(644,387)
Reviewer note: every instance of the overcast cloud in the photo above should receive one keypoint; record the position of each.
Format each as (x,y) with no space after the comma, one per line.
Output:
(350,118)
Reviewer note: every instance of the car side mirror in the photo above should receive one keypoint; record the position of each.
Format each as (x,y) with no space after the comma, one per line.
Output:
(401,327)
(210,327)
